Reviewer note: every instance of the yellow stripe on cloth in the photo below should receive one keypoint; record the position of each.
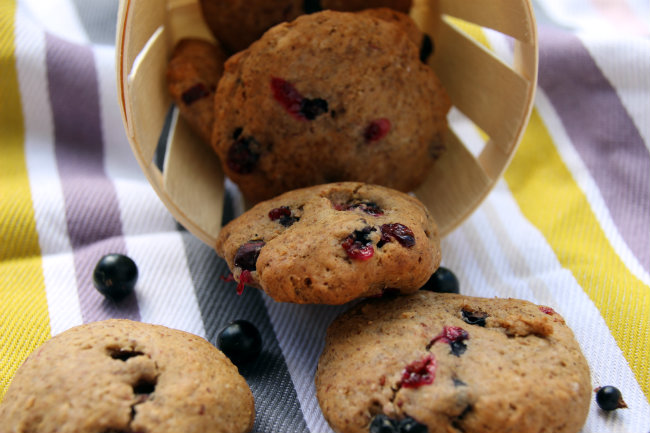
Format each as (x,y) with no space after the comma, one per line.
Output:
(550,198)
(24,320)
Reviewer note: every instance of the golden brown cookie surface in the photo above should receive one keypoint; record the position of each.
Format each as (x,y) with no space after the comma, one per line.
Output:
(238,23)
(125,376)
(333,243)
(193,72)
(453,363)
(331,96)
(357,5)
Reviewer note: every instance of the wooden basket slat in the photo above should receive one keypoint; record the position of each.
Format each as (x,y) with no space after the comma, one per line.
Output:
(509,17)
(493,96)
(447,199)
(191,172)
(149,98)
(494,159)
(149,16)
(186,21)
(480,85)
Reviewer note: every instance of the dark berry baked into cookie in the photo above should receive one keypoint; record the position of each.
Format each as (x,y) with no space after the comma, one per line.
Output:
(331,96)
(330,244)
(125,376)
(443,362)
(193,72)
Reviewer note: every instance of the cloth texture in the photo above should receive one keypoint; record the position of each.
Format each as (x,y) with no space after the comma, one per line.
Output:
(567,226)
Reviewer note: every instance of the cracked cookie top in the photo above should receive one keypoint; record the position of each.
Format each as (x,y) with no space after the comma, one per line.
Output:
(452,363)
(332,243)
(125,376)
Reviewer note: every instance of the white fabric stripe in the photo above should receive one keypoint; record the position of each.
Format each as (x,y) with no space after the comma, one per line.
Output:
(119,160)
(466,130)
(300,330)
(622,61)
(514,244)
(641,9)
(59,18)
(47,195)
(141,209)
(573,15)
(587,185)
(165,291)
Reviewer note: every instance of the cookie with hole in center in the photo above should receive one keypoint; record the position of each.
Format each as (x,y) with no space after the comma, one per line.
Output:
(441,362)
(126,376)
(328,97)
(330,244)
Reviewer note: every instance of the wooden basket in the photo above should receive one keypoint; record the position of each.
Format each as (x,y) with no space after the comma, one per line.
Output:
(495,95)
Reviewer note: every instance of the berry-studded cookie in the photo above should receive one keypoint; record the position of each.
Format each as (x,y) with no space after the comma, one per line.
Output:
(193,72)
(239,23)
(333,243)
(125,376)
(331,96)
(357,5)
(440,362)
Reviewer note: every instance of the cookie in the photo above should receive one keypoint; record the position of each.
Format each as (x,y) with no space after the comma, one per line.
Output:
(452,363)
(399,19)
(331,96)
(333,243)
(125,376)
(193,72)
(238,23)
(357,5)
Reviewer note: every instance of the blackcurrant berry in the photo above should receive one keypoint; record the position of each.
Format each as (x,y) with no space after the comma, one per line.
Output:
(115,276)
(442,281)
(409,425)
(609,398)
(382,424)
(240,341)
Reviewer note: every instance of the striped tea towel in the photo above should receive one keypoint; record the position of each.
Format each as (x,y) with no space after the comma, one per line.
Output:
(568,225)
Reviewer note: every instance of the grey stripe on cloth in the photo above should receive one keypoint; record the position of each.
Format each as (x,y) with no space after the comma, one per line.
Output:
(602,132)
(91,205)
(276,403)
(99,18)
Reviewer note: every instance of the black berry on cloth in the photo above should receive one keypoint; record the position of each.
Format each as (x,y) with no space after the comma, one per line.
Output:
(115,276)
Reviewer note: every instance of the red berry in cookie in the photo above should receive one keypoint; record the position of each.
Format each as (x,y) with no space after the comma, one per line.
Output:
(246,256)
(419,373)
(454,336)
(358,245)
(376,130)
(399,232)
(546,310)
(298,106)
(283,215)
(244,278)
